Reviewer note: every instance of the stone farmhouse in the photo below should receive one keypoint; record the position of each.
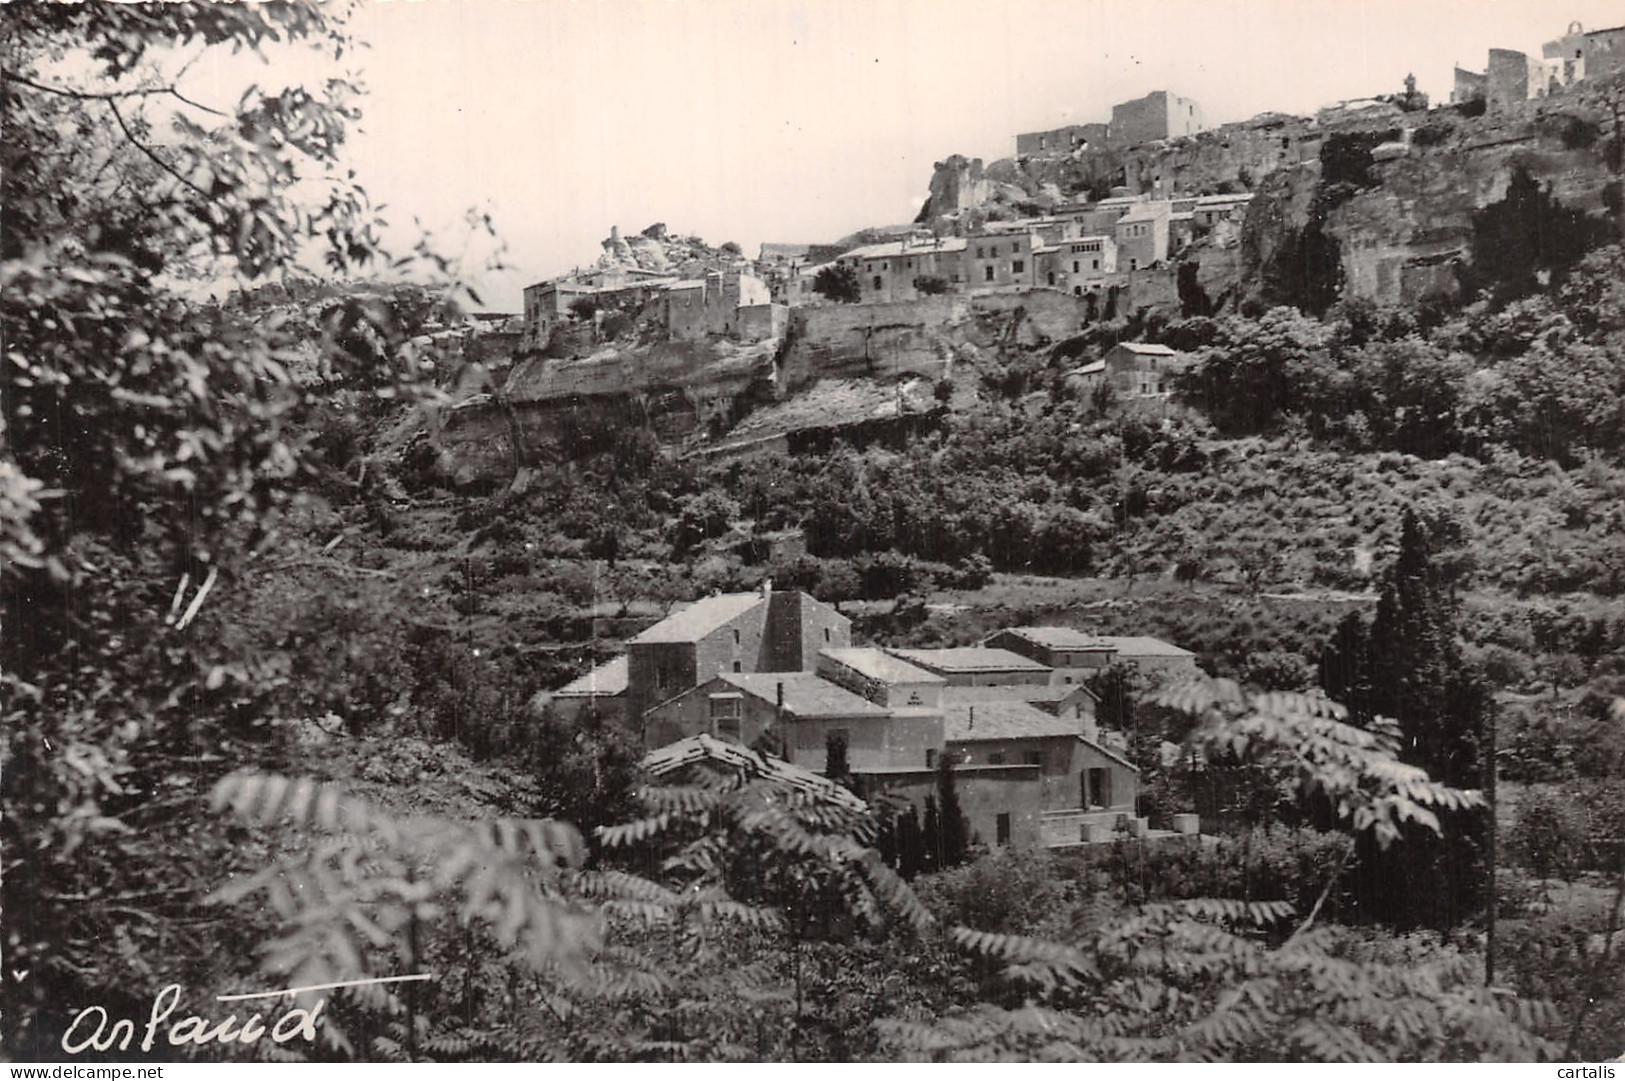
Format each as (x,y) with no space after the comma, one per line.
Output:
(778,669)
(1138,370)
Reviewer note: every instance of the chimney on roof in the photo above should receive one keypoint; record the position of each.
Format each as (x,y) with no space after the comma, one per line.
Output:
(614,233)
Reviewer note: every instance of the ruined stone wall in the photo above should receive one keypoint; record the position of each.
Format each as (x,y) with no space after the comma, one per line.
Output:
(1158,115)
(958,184)
(682,312)
(1469,86)
(1604,52)
(1061,141)
(1513,78)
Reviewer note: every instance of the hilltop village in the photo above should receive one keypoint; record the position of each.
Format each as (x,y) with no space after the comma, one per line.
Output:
(1086,232)
(1145,212)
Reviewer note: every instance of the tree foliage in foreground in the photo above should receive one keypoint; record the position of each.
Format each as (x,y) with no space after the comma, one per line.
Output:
(150,447)
(1226,980)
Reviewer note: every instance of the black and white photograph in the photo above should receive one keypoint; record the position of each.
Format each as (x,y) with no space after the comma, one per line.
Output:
(811,531)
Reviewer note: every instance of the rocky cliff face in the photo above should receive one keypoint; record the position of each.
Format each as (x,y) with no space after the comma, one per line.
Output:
(1402,233)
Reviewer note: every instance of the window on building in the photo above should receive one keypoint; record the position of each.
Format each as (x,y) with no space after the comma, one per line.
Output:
(1034,758)
(987,273)
(1019,266)
(1134,264)
(726,713)
(978,253)
(1094,264)
(1052,277)
(1002,825)
(993,252)
(877,281)
(736,636)
(1098,784)
(1077,290)
(826,634)
(930,758)
(738,667)
(996,758)
(1075,266)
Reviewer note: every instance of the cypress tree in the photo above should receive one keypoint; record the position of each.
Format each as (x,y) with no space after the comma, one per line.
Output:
(910,843)
(931,856)
(1408,666)
(954,834)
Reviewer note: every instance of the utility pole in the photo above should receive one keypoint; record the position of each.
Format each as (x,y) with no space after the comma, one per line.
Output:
(1489,788)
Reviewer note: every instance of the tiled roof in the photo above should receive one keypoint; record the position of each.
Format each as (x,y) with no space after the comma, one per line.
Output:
(1060,637)
(893,248)
(607,680)
(1020,692)
(704,748)
(1147,349)
(1108,752)
(805,694)
(699,619)
(972,659)
(1092,368)
(1124,645)
(1140,646)
(1145,212)
(963,722)
(877,664)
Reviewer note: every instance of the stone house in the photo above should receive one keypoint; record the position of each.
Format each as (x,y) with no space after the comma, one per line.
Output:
(1152,655)
(1073,265)
(1142,235)
(801,708)
(1143,370)
(762,631)
(547,304)
(1001,260)
(1023,777)
(1074,655)
(1077,656)
(887,272)
(1212,209)
(603,688)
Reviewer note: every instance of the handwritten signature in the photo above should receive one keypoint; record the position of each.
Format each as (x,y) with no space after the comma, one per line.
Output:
(296,1022)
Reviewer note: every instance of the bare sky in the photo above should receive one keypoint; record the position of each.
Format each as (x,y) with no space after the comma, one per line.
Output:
(803,120)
